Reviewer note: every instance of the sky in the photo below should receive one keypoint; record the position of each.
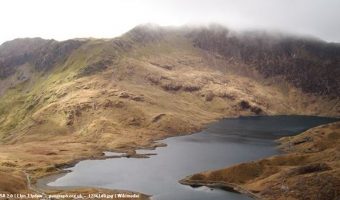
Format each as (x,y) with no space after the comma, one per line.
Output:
(66,19)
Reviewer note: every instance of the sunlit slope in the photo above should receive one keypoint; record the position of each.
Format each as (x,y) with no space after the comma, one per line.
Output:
(150,78)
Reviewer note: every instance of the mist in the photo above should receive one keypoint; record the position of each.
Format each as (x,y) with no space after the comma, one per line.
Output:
(64,19)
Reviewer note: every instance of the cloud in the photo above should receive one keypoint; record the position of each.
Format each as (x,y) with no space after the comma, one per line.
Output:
(65,19)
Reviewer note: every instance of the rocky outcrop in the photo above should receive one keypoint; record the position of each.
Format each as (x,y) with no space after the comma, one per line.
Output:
(42,54)
(94,68)
(50,54)
(309,64)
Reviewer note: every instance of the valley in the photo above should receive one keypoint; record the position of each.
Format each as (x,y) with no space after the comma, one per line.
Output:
(63,102)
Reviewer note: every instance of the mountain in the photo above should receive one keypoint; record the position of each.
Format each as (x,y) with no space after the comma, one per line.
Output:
(309,64)
(63,101)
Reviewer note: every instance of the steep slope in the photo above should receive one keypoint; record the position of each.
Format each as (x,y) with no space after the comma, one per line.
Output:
(64,101)
(309,64)
(308,170)
(42,54)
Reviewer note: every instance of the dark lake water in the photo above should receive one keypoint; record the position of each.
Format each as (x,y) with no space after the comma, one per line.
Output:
(224,143)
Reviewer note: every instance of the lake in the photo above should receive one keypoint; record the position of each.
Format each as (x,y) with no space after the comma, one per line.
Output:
(224,143)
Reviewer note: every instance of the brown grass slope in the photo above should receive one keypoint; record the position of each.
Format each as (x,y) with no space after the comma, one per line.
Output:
(308,170)
(66,101)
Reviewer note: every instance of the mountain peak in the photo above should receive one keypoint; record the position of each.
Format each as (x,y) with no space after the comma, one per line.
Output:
(21,45)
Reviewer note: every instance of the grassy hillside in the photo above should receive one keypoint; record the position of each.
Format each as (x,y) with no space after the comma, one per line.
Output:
(308,170)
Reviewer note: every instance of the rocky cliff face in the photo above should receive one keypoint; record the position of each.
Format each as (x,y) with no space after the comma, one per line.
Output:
(42,54)
(309,64)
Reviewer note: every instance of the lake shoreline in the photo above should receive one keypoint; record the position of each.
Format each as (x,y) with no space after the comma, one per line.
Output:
(219,184)
(41,182)
(133,154)
(285,145)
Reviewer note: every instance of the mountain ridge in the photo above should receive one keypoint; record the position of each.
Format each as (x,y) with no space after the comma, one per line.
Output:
(286,56)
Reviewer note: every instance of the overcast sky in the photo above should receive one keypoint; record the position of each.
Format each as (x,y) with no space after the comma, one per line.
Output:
(65,19)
